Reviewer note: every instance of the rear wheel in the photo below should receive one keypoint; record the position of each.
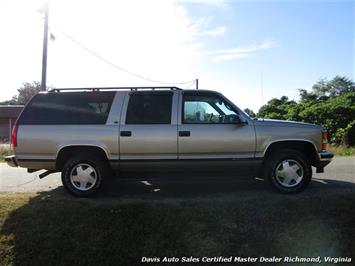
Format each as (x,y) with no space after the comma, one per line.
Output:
(82,175)
(288,171)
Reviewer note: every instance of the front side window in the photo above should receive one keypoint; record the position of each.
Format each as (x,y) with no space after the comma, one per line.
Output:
(149,108)
(212,109)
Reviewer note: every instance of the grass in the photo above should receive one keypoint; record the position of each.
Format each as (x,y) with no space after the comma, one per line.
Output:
(44,229)
(341,150)
(4,151)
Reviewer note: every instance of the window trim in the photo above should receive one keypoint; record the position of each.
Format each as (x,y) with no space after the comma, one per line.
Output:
(53,123)
(205,95)
(148,93)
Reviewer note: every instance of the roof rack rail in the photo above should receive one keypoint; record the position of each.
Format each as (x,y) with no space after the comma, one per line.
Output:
(114,88)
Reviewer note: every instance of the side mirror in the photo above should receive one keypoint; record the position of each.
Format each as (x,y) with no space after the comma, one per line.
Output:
(236,119)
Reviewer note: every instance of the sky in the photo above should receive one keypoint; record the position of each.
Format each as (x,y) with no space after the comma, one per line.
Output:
(251,51)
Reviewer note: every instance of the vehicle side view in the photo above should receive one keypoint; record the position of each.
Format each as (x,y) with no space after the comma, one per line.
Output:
(86,134)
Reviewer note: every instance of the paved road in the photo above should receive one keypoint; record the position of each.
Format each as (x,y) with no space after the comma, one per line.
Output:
(340,174)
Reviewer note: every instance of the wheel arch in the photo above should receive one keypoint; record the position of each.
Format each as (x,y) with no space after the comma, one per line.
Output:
(305,146)
(67,151)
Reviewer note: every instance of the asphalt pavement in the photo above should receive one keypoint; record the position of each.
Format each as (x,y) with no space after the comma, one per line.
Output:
(338,175)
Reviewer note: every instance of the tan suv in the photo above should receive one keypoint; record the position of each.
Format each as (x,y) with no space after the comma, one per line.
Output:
(87,133)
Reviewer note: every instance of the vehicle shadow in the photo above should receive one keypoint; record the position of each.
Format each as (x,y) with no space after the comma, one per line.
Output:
(167,186)
(192,186)
(132,219)
(184,186)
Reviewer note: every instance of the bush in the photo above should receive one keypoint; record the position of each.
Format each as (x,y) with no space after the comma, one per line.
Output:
(5,150)
(349,135)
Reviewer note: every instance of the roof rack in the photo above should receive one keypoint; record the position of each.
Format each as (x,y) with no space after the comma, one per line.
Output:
(114,88)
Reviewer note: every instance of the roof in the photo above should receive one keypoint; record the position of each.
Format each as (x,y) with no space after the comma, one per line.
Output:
(10,111)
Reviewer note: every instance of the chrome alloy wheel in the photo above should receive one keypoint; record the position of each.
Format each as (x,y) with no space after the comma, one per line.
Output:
(289,173)
(83,176)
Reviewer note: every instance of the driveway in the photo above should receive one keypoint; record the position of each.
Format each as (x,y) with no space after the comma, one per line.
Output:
(340,174)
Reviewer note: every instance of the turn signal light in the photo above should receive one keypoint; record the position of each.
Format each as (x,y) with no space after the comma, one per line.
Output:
(14,135)
(324,140)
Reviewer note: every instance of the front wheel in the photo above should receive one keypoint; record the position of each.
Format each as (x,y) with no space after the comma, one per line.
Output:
(288,171)
(82,175)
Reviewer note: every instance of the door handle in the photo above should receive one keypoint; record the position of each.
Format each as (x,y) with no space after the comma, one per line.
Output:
(184,133)
(126,133)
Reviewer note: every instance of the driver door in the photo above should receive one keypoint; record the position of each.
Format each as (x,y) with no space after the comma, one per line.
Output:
(208,129)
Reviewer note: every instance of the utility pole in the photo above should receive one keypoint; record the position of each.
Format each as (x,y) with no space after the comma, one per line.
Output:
(45,47)
(196,84)
(262,88)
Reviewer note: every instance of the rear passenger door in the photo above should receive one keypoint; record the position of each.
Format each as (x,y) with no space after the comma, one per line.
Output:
(148,128)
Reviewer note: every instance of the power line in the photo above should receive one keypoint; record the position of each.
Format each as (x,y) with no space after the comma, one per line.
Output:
(192,83)
(116,66)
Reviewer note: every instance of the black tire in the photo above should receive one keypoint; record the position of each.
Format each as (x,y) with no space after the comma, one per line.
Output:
(88,163)
(273,168)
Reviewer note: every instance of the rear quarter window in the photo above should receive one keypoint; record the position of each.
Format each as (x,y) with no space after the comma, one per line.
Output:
(68,108)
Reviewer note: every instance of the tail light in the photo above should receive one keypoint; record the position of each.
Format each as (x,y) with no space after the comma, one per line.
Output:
(324,140)
(14,135)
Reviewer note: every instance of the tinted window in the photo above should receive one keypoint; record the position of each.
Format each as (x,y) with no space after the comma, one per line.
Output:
(149,108)
(68,108)
(211,109)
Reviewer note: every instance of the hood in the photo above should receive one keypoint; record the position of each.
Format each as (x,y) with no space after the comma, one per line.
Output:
(286,123)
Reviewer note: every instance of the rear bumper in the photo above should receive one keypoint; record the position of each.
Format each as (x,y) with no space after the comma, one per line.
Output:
(325,157)
(11,160)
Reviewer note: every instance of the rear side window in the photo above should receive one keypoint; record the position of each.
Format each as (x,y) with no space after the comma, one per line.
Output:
(149,108)
(68,108)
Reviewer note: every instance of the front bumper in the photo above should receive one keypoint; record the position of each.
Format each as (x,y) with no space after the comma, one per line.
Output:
(11,160)
(325,157)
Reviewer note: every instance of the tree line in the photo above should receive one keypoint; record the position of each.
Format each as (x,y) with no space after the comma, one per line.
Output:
(24,93)
(330,103)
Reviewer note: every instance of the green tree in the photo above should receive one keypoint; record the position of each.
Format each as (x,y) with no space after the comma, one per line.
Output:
(329,103)
(13,101)
(25,93)
(277,108)
(335,87)
(306,96)
(250,112)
